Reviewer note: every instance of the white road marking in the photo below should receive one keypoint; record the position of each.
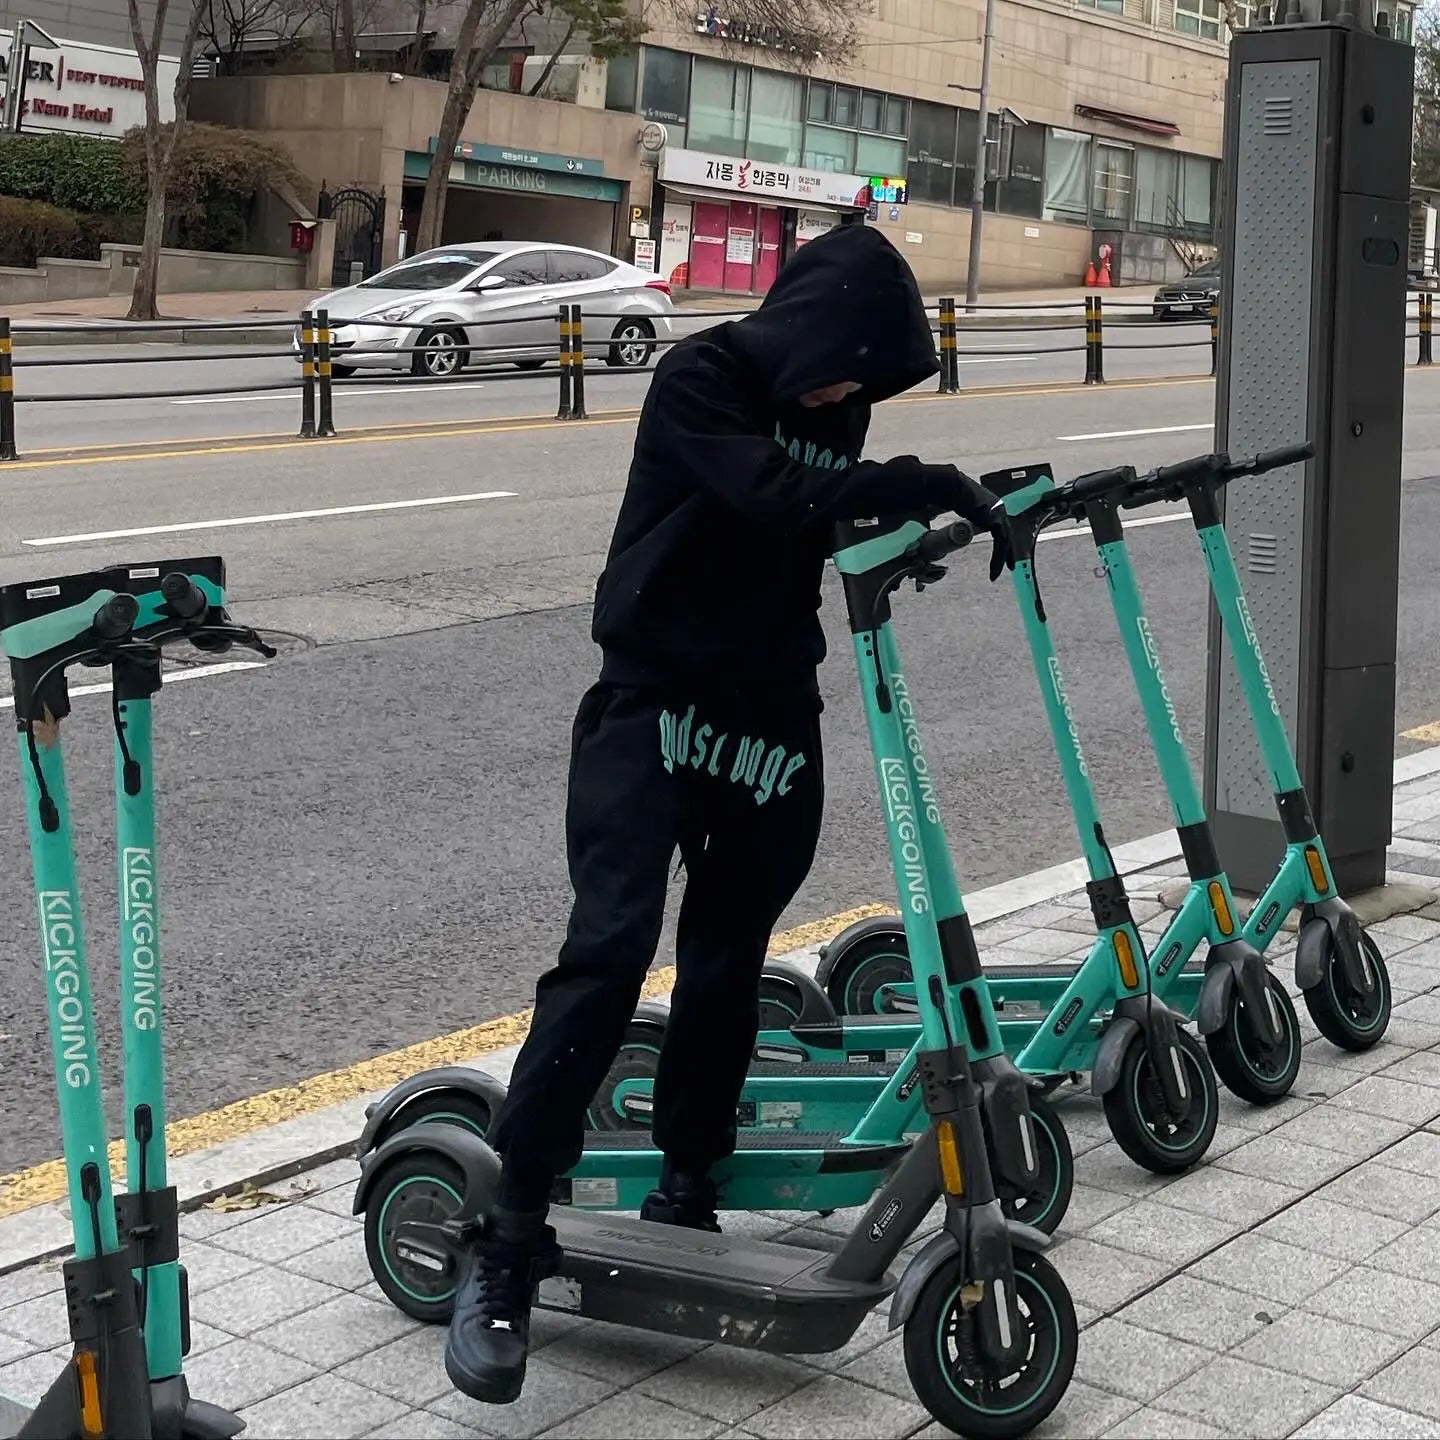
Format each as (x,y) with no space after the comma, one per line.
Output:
(1070,532)
(7,702)
(1126,434)
(233,521)
(992,359)
(288,396)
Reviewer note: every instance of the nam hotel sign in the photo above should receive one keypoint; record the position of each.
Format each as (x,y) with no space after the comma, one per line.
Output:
(86,89)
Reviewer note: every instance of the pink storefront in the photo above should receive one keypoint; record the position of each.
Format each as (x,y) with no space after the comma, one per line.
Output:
(728,224)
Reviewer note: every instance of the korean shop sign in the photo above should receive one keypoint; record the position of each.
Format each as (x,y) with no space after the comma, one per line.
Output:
(762,180)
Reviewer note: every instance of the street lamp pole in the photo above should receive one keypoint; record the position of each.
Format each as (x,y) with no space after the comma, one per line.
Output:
(982,126)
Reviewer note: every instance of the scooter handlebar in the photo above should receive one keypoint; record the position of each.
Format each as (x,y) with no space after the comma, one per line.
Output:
(1172,481)
(936,544)
(114,619)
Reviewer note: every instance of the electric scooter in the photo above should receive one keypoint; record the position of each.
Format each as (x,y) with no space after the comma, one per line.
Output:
(990,1332)
(125,1289)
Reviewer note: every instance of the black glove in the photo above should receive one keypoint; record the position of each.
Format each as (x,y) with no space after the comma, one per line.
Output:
(983,509)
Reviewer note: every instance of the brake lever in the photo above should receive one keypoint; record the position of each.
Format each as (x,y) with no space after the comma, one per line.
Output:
(216,639)
(928,574)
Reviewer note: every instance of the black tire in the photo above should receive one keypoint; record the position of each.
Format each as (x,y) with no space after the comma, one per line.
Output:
(1159,1142)
(418,1184)
(1045,1206)
(637,1058)
(442,341)
(854,975)
(530,364)
(341,372)
(1341,1022)
(957,1394)
(780,1002)
(628,348)
(1264,1077)
(444,1107)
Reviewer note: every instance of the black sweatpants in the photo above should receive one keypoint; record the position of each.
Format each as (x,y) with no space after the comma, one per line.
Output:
(736,787)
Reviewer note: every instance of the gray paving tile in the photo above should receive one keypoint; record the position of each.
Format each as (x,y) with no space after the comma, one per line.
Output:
(339,1330)
(1407,927)
(1133,1362)
(264,1297)
(1356,1063)
(1089,1205)
(1099,1276)
(423,1425)
(28,1284)
(1227,1195)
(1421,1068)
(1111,1169)
(874,1328)
(42,1321)
(1320,1348)
(1320,1082)
(1394,1099)
(1377,1187)
(12,1347)
(736,1435)
(205,1223)
(325,1408)
(1247,1398)
(287,1232)
(635,1415)
(208,1266)
(1416,1253)
(339,1201)
(552,1394)
(1329,1227)
(1355,1133)
(617,1354)
(410,1369)
(1409,1034)
(1422,1010)
(243,1372)
(1083,1413)
(1163,1232)
(728,1385)
(334,1174)
(838,1410)
(1407,979)
(1352,1415)
(1408,1384)
(27,1379)
(1260,1119)
(1393,1303)
(1418,1153)
(1153,1424)
(1302,1166)
(205,1337)
(1198,1312)
(1273,1271)
(341,1263)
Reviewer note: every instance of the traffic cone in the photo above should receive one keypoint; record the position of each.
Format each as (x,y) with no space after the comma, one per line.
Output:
(1090,276)
(1104,277)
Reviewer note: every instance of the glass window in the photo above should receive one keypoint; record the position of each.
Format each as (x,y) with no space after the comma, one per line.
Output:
(874,156)
(622,79)
(821,102)
(1067,177)
(1198,17)
(1401,19)
(895,115)
(847,106)
(1113,7)
(1155,175)
(431,270)
(570,267)
(1114,180)
(872,111)
(526,269)
(829,150)
(965,157)
(1020,190)
(1197,195)
(665,89)
(719,102)
(776,129)
(930,167)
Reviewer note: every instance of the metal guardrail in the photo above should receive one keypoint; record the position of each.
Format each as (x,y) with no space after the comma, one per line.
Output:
(316,350)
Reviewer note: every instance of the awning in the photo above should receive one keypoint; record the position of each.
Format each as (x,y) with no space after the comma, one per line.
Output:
(785,202)
(1127,121)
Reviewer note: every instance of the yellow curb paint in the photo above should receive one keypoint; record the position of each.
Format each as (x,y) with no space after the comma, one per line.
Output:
(40,1184)
(1429,733)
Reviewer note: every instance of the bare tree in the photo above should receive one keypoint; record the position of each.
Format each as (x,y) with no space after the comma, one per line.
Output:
(160,141)
(228,24)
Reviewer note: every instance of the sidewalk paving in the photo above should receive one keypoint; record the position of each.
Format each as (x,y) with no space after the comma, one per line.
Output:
(1288,1286)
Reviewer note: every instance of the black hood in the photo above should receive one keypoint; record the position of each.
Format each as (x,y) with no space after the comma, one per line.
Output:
(846,307)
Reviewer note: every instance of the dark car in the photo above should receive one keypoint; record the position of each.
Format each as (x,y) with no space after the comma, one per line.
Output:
(1191,296)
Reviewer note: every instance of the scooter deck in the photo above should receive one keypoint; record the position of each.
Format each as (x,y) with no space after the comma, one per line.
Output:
(753,1294)
(836,1157)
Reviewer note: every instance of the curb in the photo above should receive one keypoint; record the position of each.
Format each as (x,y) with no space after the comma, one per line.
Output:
(181,334)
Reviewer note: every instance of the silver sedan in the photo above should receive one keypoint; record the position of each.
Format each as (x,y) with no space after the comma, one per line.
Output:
(496,302)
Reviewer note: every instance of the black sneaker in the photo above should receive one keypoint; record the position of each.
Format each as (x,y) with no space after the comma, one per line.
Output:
(489,1335)
(684,1200)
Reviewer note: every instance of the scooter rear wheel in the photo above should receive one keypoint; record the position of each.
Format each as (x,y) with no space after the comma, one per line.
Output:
(1350,1023)
(951,1380)
(1044,1207)
(1139,1116)
(852,976)
(1257,1075)
(417,1185)
(638,1059)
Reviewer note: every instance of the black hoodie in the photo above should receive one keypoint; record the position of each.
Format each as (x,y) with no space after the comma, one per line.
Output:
(713,576)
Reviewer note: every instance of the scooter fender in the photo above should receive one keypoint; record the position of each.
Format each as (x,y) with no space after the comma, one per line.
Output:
(1111,1054)
(651,1012)
(1312,952)
(1215,992)
(815,1006)
(476,1161)
(941,1249)
(380,1115)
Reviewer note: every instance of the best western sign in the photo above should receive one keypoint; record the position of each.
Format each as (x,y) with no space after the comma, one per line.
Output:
(86,89)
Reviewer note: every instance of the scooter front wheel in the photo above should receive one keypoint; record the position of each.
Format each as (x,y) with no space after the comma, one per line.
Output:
(1140,1117)
(1045,1204)
(951,1378)
(1353,1022)
(1256,1073)
(416,1187)
(854,969)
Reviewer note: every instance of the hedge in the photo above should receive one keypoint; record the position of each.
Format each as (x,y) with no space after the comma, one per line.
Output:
(31,228)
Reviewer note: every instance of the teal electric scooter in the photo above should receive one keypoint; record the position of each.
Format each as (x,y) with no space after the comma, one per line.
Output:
(125,1289)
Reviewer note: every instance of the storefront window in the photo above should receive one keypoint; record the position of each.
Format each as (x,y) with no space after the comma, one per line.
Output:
(874,156)
(1114,181)
(829,150)
(665,88)
(1020,189)
(1197,195)
(1067,177)
(1155,179)
(719,103)
(930,166)
(776,128)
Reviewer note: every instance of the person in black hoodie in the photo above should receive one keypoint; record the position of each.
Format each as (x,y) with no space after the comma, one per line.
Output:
(702,735)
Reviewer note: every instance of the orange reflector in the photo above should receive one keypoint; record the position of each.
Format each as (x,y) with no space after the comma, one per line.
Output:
(950,1171)
(1318,878)
(89,1393)
(1221,906)
(1125,954)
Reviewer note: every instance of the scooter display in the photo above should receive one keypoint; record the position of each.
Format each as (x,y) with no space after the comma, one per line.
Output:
(125,1288)
(990,1332)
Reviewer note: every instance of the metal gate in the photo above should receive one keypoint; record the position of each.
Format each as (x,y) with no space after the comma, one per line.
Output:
(359,217)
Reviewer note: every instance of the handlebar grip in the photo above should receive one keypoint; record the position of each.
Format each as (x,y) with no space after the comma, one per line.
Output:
(115,617)
(1100,483)
(1280,457)
(937,544)
(184,597)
